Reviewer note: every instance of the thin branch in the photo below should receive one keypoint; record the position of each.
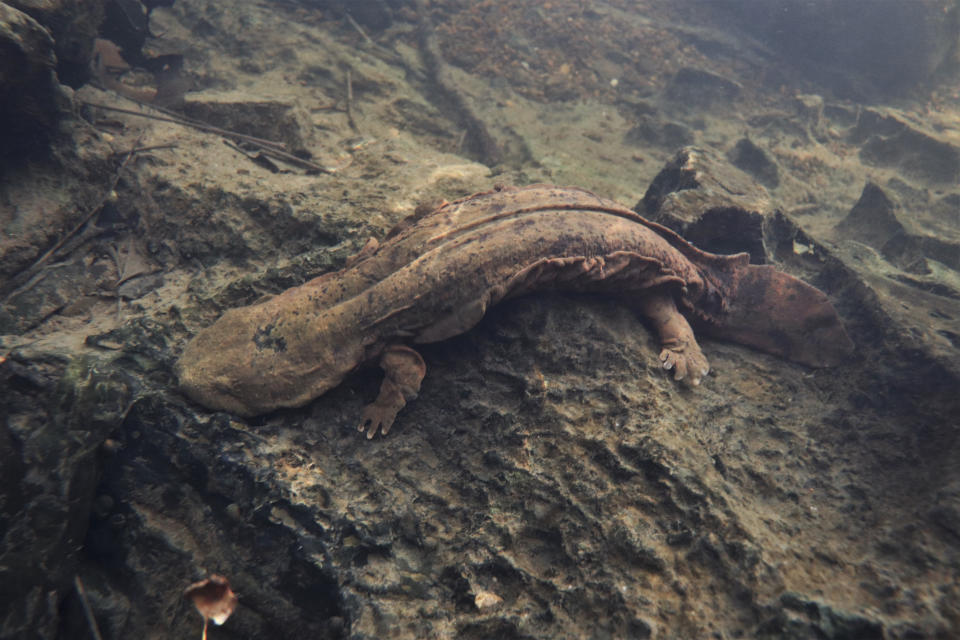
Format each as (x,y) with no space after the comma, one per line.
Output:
(350,120)
(286,157)
(28,273)
(269,147)
(355,25)
(87,609)
(209,128)
(389,55)
(155,147)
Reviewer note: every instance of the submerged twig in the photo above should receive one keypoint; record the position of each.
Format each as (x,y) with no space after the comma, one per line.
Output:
(87,609)
(286,157)
(276,149)
(356,25)
(390,56)
(209,128)
(22,279)
(350,120)
(155,147)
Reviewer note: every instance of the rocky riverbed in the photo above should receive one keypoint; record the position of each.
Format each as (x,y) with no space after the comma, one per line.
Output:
(550,481)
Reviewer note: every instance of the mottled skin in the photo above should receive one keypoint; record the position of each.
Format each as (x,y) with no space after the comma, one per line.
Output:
(438,271)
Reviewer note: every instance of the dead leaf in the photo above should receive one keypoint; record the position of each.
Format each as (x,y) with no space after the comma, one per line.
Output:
(130,260)
(213,598)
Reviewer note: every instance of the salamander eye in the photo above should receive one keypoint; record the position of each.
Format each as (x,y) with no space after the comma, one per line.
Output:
(711,303)
(224,386)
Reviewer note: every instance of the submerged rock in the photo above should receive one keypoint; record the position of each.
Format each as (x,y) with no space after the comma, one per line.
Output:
(32,101)
(51,468)
(889,138)
(711,203)
(73,26)
(746,155)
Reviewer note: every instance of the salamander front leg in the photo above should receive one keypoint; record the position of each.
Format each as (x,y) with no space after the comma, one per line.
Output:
(403,370)
(680,349)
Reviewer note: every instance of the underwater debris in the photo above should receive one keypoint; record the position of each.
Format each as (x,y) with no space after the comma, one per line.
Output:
(213,598)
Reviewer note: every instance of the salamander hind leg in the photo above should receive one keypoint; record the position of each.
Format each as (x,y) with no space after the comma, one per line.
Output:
(686,359)
(681,353)
(403,370)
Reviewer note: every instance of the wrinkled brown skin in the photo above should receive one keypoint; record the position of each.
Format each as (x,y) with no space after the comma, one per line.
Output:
(438,271)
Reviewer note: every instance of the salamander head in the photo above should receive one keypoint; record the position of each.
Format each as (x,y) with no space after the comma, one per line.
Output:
(250,362)
(211,372)
(782,315)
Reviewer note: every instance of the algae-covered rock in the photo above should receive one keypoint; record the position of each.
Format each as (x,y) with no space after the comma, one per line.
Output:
(31,102)
(52,466)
